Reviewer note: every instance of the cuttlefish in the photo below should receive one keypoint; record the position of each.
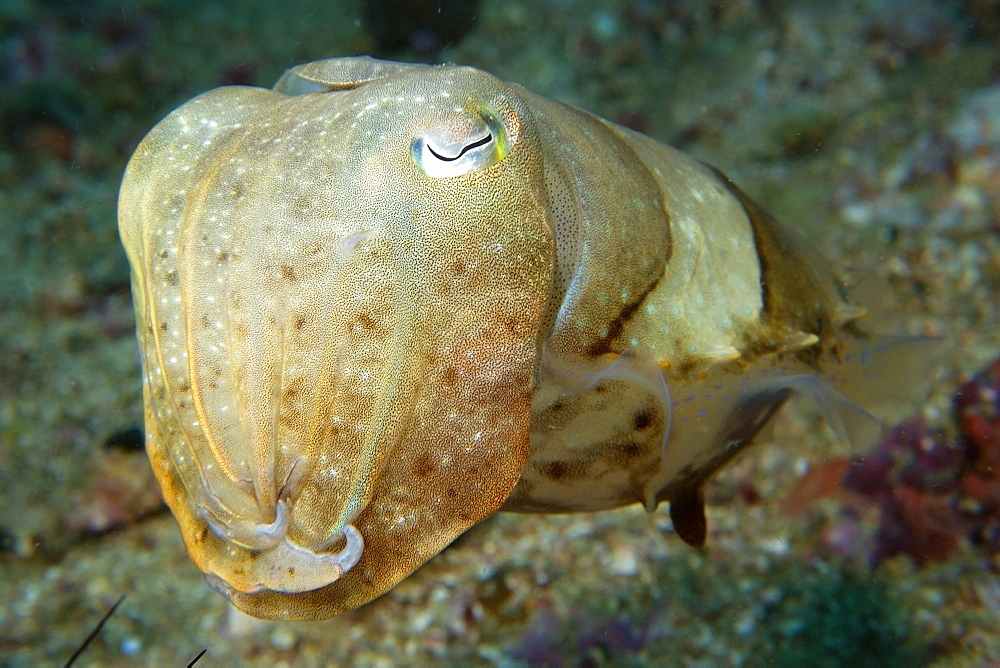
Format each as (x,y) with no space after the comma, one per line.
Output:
(383,301)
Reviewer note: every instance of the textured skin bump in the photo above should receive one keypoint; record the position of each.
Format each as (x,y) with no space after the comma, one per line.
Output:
(351,349)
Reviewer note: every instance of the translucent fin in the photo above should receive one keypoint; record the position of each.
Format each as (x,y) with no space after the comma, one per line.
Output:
(721,411)
(849,422)
(888,375)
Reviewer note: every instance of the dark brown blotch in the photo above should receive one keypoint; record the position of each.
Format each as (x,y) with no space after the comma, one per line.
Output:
(554,470)
(366,322)
(559,414)
(423,466)
(562,471)
(619,449)
(643,420)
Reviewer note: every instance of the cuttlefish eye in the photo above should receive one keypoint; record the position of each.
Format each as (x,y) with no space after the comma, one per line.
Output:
(461,146)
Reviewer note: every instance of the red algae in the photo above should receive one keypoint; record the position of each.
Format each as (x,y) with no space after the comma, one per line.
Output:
(933,491)
(977,404)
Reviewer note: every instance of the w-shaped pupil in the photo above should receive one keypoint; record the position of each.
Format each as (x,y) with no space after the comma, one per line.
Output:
(465,149)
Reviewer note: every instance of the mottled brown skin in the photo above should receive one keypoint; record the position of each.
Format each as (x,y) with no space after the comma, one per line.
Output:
(387,300)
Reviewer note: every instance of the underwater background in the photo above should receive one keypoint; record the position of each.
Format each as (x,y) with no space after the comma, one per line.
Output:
(873,127)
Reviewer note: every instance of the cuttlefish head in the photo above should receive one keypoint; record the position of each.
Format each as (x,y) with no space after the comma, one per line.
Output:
(340,286)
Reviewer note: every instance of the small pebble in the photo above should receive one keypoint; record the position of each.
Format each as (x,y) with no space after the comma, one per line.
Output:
(283,639)
(131,646)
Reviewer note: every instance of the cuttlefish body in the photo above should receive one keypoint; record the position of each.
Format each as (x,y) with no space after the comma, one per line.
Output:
(383,301)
